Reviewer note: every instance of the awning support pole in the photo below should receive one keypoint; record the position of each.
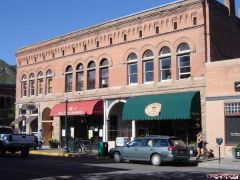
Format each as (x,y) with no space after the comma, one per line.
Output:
(133,130)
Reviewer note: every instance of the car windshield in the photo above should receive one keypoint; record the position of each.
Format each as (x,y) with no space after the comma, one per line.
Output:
(6,131)
(176,142)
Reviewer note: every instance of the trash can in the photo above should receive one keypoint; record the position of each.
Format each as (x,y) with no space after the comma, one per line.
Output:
(237,152)
(102,148)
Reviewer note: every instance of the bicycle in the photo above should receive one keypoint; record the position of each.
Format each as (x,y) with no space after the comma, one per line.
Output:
(84,146)
(207,153)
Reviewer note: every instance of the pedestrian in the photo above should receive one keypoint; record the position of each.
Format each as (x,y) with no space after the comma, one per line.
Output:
(40,139)
(200,150)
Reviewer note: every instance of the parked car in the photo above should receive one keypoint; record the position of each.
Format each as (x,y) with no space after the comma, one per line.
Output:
(15,142)
(154,149)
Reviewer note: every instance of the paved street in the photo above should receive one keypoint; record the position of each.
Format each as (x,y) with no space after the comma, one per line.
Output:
(47,167)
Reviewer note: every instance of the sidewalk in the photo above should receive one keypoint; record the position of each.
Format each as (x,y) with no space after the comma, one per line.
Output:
(45,150)
(228,163)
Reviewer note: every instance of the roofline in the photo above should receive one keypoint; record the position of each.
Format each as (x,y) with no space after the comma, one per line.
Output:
(103,23)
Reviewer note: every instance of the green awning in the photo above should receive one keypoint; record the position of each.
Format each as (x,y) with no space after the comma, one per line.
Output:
(170,106)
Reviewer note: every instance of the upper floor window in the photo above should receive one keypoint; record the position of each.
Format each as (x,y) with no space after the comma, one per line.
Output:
(183,59)
(194,21)
(175,25)
(79,77)
(165,63)
(24,85)
(68,79)
(157,29)
(40,83)
(31,84)
(97,43)
(132,68)
(91,75)
(110,41)
(125,37)
(103,81)
(148,66)
(140,33)
(49,78)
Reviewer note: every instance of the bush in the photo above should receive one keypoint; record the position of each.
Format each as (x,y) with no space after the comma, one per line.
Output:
(53,143)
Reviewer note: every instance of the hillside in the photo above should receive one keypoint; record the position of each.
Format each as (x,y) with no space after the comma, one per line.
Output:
(7,73)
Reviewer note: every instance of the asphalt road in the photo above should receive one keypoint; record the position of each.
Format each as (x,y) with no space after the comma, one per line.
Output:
(13,167)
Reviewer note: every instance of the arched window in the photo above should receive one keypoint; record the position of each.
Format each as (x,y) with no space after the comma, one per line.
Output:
(132,68)
(24,85)
(148,66)
(103,81)
(31,84)
(80,77)
(40,83)
(91,73)
(68,78)
(183,59)
(49,76)
(165,63)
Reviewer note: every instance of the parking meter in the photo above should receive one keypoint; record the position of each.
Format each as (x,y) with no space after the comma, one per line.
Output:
(219,141)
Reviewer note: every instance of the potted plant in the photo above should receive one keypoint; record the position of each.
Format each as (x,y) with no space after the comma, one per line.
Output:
(192,146)
(236,151)
(53,143)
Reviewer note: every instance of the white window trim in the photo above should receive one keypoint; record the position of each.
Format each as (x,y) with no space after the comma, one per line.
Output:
(144,73)
(129,64)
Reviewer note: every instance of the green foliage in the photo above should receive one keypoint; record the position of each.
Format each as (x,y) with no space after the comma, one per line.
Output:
(53,143)
(7,73)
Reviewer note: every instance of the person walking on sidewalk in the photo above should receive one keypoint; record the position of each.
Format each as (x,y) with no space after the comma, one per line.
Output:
(40,139)
(200,150)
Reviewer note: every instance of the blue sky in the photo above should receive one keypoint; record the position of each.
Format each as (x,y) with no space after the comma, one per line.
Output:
(26,22)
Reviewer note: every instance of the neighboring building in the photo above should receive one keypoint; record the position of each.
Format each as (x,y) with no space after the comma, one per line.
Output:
(140,74)
(7,93)
(223,103)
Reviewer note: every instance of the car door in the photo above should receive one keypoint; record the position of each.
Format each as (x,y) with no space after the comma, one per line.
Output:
(130,151)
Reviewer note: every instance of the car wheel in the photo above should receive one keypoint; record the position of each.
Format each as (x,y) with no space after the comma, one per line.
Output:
(156,160)
(2,151)
(117,157)
(25,152)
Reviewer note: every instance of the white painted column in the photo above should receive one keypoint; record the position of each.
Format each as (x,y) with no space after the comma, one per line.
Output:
(104,122)
(133,130)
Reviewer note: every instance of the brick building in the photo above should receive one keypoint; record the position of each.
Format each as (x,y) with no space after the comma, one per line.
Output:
(136,75)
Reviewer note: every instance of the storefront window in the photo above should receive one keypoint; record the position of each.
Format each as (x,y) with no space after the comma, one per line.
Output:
(132,68)
(103,73)
(148,66)
(80,77)
(91,73)
(232,121)
(165,63)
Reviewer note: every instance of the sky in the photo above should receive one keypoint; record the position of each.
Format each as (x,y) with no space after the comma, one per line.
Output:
(26,22)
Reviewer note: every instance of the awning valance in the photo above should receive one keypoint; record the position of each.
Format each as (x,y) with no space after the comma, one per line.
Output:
(78,108)
(170,106)
(30,119)
(17,120)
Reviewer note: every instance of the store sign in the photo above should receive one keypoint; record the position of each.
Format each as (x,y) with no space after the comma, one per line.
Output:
(237,86)
(153,109)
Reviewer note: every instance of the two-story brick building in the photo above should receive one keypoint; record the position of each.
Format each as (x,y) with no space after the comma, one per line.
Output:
(136,75)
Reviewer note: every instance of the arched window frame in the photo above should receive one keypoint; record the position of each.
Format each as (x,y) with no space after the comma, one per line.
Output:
(91,75)
(165,63)
(24,86)
(132,69)
(40,83)
(31,84)
(148,66)
(80,77)
(183,60)
(68,78)
(103,73)
(49,79)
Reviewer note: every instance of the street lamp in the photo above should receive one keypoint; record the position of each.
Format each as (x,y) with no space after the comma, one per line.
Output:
(66,126)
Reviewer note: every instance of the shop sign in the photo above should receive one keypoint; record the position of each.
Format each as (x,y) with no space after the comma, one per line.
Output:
(153,109)
(237,86)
